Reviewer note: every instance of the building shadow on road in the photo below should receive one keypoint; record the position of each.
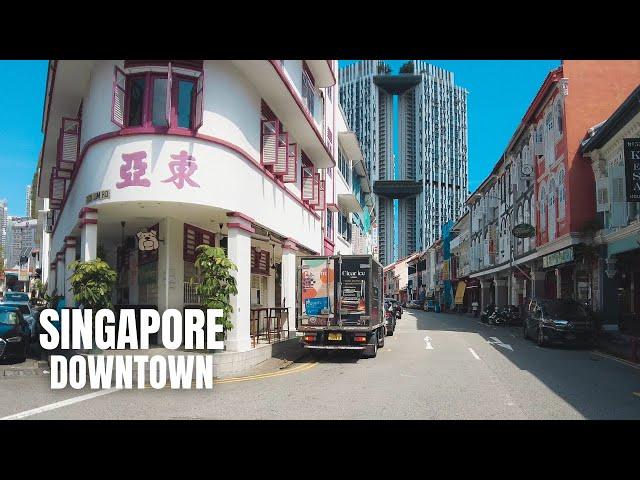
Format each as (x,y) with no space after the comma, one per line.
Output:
(595,386)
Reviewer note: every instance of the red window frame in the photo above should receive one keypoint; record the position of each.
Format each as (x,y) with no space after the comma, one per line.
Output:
(199,234)
(171,104)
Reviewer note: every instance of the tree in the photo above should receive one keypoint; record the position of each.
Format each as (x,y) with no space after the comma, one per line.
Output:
(216,282)
(92,283)
(407,67)
(383,68)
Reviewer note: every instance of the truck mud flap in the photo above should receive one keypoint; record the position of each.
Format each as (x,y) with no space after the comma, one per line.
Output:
(334,347)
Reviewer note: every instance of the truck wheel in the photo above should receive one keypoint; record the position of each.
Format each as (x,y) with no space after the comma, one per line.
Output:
(381,337)
(371,351)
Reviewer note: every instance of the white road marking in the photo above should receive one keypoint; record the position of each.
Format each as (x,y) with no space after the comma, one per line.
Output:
(428,341)
(497,341)
(63,403)
(474,353)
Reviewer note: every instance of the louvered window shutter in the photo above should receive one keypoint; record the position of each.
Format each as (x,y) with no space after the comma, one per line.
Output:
(316,189)
(119,97)
(618,215)
(269,141)
(307,182)
(199,103)
(189,250)
(602,192)
(321,205)
(68,144)
(280,167)
(292,164)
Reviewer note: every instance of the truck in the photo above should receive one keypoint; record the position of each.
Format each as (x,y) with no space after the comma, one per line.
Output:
(340,304)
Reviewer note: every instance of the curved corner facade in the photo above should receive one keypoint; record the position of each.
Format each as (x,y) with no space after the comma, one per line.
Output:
(144,161)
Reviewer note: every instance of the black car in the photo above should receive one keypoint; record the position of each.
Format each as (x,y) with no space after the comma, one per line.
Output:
(389,318)
(14,334)
(558,321)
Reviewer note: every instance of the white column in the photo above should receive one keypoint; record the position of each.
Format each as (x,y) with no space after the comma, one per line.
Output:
(52,276)
(537,287)
(170,264)
(89,234)
(69,256)
(288,290)
(501,292)
(239,252)
(60,273)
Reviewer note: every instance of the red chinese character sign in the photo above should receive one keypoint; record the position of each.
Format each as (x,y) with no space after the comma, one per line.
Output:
(133,170)
(182,167)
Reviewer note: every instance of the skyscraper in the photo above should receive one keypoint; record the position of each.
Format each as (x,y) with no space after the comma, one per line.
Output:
(4,213)
(430,182)
(28,202)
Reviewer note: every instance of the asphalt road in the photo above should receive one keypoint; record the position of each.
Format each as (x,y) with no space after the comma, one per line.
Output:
(464,370)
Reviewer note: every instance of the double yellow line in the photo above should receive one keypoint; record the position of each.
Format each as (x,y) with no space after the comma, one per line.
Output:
(260,376)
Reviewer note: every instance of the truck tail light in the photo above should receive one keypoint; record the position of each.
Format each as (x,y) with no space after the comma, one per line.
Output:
(309,338)
(360,339)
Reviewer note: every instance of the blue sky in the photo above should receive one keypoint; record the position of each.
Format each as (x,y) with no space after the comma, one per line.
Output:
(22,86)
(499,93)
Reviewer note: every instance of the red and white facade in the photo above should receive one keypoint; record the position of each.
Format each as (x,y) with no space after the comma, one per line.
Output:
(228,153)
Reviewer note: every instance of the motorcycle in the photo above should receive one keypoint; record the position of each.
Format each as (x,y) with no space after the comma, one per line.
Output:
(509,315)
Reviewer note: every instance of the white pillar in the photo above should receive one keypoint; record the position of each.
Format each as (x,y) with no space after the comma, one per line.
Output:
(485,297)
(501,292)
(288,290)
(60,273)
(52,276)
(170,264)
(537,287)
(239,252)
(89,234)
(69,256)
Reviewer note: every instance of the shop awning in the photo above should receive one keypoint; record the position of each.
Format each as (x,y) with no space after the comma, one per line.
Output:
(349,203)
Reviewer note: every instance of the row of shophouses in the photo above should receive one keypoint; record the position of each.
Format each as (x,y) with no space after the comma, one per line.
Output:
(142,161)
(563,173)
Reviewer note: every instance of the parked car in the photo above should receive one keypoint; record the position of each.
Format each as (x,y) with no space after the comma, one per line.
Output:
(415,304)
(558,321)
(15,297)
(14,334)
(389,318)
(28,314)
(396,306)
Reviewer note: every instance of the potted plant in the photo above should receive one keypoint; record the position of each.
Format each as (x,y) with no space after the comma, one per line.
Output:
(216,282)
(92,283)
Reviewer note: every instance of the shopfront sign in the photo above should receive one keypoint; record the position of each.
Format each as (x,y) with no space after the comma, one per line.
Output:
(101,195)
(556,258)
(524,230)
(632,168)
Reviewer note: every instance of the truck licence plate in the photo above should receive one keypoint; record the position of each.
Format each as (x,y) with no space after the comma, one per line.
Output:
(335,336)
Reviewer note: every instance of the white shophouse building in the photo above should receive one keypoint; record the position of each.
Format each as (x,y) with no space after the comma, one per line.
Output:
(227,153)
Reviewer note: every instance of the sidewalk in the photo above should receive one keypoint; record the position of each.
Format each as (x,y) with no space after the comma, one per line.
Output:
(28,368)
(617,344)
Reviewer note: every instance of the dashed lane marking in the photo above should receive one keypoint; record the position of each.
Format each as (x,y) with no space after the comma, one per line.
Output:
(474,353)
